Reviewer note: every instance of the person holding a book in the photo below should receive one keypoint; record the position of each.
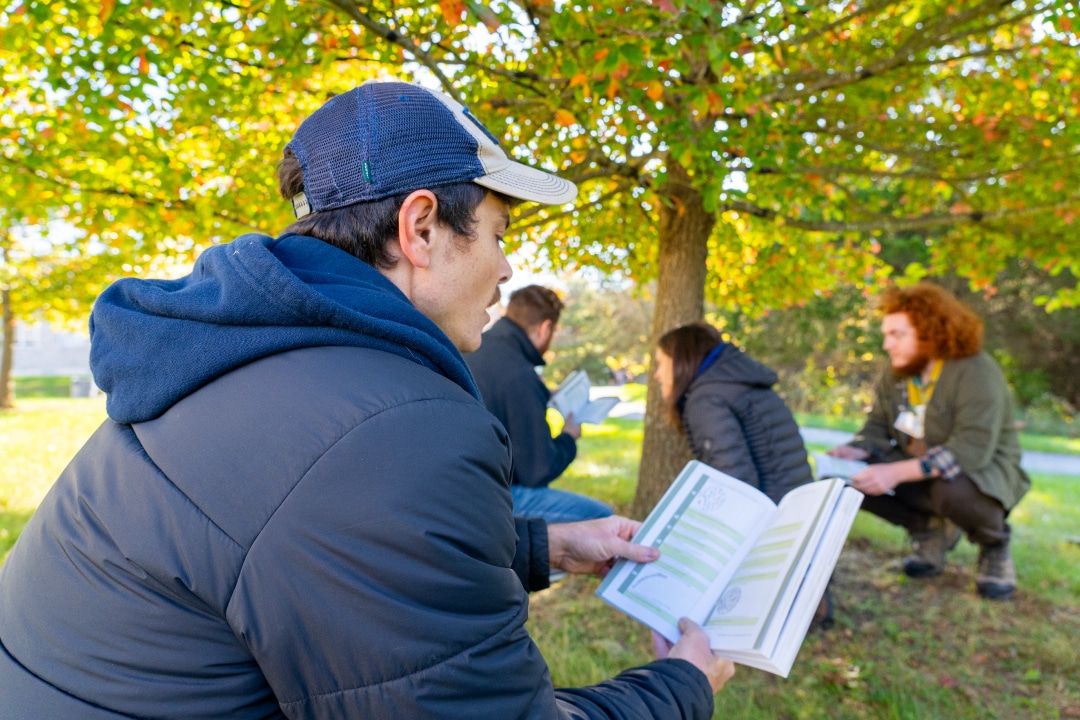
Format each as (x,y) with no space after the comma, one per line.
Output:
(299,506)
(723,401)
(941,439)
(505,371)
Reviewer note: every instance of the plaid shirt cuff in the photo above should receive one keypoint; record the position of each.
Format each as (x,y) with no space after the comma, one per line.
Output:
(943,459)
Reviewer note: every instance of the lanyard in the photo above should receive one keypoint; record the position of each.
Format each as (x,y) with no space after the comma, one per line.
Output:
(919,394)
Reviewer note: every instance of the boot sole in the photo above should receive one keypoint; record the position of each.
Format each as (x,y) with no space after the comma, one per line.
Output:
(919,571)
(995,591)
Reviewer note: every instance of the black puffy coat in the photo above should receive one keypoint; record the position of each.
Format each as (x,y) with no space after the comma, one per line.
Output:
(736,423)
(505,371)
(319,532)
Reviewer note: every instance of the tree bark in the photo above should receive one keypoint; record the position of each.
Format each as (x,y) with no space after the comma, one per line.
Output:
(685,227)
(7,355)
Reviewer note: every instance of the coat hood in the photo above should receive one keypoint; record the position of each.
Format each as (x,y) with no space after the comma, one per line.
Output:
(153,342)
(735,366)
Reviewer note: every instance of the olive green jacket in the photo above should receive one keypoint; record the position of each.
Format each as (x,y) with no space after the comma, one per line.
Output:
(970,413)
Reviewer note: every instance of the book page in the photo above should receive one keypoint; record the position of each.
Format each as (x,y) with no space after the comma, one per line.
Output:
(752,608)
(596,411)
(703,526)
(813,587)
(826,466)
(572,395)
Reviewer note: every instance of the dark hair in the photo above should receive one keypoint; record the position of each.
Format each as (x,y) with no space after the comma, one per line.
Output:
(687,346)
(533,304)
(947,329)
(363,229)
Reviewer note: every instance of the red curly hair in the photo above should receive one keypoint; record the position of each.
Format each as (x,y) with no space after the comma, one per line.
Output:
(947,328)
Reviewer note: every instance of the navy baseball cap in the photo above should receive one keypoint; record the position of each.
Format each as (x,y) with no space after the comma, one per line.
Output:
(386,138)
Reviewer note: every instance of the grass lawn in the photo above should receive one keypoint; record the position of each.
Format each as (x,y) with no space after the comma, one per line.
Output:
(901,649)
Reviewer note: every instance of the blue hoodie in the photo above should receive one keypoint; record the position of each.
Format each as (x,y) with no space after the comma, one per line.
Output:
(153,342)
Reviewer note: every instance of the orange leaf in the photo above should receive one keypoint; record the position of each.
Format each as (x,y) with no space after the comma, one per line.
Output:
(452,11)
(612,89)
(105,10)
(144,64)
(655,90)
(579,79)
(564,117)
(600,54)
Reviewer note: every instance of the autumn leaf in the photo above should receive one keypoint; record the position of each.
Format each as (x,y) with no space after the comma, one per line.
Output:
(564,117)
(655,90)
(452,11)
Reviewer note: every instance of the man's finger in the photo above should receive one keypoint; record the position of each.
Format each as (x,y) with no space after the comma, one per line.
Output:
(636,553)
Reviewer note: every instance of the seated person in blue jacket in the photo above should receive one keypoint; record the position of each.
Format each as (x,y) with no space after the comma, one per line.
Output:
(299,506)
(505,371)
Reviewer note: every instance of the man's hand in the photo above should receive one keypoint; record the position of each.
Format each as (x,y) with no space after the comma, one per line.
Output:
(591,547)
(571,427)
(849,452)
(693,647)
(878,479)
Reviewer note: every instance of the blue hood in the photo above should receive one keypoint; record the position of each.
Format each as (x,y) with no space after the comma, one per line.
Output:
(154,342)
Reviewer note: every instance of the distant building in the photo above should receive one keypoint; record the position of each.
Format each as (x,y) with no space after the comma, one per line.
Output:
(41,351)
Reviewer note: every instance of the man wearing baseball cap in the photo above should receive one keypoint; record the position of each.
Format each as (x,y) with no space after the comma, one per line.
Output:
(298,506)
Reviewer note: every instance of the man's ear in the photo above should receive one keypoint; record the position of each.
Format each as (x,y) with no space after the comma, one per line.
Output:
(540,334)
(417,224)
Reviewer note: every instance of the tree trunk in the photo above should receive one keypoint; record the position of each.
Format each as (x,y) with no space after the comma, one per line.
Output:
(685,227)
(7,355)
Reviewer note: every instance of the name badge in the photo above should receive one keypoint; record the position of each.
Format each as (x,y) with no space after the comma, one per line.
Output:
(911,423)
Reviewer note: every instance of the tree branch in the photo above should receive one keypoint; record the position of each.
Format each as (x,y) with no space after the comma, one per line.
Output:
(895,224)
(406,43)
(145,200)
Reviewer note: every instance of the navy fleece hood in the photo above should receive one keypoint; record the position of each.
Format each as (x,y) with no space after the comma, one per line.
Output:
(154,342)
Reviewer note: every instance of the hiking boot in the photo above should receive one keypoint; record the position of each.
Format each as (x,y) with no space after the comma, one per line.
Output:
(930,547)
(823,616)
(997,574)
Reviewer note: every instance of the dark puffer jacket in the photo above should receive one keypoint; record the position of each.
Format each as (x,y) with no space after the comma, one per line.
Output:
(299,509)
(736,423)
(505,371)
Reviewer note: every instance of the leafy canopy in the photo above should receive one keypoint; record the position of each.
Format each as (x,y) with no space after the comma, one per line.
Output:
(817,132)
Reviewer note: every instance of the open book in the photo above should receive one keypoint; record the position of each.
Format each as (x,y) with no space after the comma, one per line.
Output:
(827,466)
(750,572)
(573,397)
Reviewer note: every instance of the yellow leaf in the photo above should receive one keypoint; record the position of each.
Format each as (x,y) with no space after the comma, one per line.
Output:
(655,90)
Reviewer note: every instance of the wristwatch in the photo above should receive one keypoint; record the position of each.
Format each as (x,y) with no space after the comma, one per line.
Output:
(924,465)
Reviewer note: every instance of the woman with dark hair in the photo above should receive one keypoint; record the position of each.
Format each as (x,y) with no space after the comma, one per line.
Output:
(723,401)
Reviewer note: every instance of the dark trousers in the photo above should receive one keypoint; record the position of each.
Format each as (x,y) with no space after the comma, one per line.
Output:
(980,516)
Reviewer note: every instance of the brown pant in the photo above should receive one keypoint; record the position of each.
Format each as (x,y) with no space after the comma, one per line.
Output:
(980,516)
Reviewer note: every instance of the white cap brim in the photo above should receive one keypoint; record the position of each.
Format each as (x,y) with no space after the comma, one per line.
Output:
(526,183)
